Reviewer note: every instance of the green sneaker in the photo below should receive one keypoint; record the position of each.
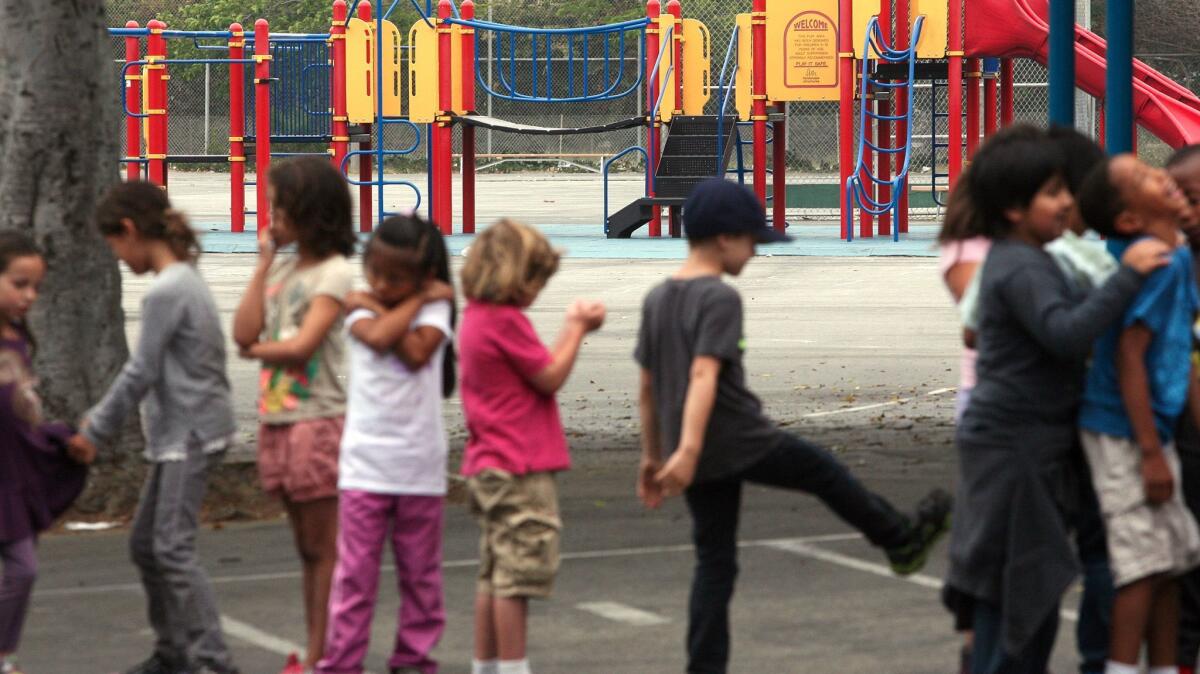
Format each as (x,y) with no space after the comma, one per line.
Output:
(931,522)
(9,666)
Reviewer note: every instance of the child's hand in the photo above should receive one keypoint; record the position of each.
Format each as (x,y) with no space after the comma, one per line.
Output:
(80,450)
(266,250)
(649,491)
(247,352)
(969,338)
(1147,255)
(1157,478)
(590,314)
(357,299)
(437,291)
(679,472)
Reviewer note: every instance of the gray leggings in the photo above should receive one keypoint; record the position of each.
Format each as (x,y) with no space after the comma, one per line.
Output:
(16,585)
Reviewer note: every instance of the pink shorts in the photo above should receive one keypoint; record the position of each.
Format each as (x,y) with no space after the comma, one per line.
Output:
(299,461)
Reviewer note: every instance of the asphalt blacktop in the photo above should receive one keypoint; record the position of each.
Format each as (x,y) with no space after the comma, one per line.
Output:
(858,353)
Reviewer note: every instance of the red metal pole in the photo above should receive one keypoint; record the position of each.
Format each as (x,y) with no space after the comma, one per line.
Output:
(133,102)
(653,9)
(758,29)
(989,104)
(468,131)
(954,130)
(366,162)
(866,220)
(442,161)
(973,74)
(1100,122)
(883,128)
(340,143)
(903,38)
(237,129)
(262,123)
(1007,103)
(779,170)
(156,101)
(846,113)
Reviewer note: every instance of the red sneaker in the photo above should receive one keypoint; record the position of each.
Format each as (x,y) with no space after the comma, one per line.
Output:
(293,665)
(1186,670)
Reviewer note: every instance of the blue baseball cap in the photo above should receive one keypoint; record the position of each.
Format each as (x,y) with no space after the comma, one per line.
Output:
(719,206)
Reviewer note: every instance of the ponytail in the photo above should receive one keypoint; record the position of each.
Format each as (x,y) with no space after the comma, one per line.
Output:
(147,206)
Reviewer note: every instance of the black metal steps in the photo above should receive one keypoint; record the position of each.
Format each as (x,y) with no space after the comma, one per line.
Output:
(689,156)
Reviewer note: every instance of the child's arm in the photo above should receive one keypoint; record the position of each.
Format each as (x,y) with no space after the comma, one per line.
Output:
(322,313)
(677,475)
(649,490)
(248,321)
(582,318)
(391,330)
(161,312)
(1194,394)
(1135,393)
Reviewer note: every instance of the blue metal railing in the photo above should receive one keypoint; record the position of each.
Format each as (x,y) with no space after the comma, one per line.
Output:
(725,88)
(856,193)
(604,173)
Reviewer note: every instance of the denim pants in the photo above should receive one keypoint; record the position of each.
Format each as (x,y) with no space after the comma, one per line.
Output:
(795,465)
(988,655)
(1095,607)
(180,602)
(16,586)
(366,520)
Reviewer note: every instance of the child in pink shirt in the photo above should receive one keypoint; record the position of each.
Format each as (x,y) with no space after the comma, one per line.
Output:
(516,441)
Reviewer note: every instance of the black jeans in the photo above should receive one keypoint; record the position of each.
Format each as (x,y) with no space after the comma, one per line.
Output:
(796,465)
(1187,443)
(988,655)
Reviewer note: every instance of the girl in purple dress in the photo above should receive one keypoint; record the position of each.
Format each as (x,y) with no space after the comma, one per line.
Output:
(37,479)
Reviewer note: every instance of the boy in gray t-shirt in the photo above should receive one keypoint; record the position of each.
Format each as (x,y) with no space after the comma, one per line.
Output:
(695,403)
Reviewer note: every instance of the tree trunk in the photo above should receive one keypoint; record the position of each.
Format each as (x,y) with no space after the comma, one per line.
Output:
(58,136)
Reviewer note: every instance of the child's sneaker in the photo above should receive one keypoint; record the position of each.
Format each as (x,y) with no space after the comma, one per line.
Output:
(932,521)
(155,664)
(9,666)
(293,666)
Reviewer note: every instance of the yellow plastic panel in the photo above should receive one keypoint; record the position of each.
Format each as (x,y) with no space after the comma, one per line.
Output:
(936,30)
(864,10)
(392,83)
(422,73)
(360,80)
(744,79)
(697,66)
(666,71)
(802,50)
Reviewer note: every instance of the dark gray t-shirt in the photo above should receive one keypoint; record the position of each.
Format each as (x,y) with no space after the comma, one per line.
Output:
(682,319)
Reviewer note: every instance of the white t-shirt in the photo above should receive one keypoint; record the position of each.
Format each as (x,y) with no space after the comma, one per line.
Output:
(394,441)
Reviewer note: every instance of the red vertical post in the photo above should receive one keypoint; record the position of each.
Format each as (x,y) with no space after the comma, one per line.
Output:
(262,123)
(973,75)
(758,30)
(845,112)
(866,220)
(340,143)
(1100,122)
(883,127)
(133,103)
(954,75)
(156,104)
(779,170)
(442,160)
(468,131)
(989,104)
(237,128)
(902,40)
(366,162)
(653,9)
(1007,104)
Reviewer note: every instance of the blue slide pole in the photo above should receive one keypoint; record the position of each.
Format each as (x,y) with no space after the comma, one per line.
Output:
(1118,110)
(1062,62)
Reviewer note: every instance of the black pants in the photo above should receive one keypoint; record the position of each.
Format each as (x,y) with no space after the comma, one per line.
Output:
(988,655)
(795,465)
(1187,444)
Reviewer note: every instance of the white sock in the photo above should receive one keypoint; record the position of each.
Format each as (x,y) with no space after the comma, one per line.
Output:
(1169,669)
(484,667)
(1111,667)
(513,667)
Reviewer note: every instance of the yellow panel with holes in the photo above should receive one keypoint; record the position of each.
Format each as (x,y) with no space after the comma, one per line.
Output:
(697,66)
(744,79)
(802,50)
(864,11)
(360,80)
(392,88)
(422,73)
(936,29)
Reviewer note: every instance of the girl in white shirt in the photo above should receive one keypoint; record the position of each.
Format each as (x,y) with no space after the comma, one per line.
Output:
(392,470)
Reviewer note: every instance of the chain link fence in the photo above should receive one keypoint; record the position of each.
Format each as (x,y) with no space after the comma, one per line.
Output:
(199,102)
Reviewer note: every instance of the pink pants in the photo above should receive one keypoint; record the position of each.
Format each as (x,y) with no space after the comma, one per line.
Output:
(416,533)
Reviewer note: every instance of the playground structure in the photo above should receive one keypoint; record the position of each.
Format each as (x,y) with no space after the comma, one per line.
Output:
(346,88)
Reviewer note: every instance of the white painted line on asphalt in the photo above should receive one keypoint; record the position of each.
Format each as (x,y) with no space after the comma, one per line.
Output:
(623,613)
(875,406)
(805,549)
(453,564)
(256,637)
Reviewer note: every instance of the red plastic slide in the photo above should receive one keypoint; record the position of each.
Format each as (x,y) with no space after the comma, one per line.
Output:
(1019,28)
